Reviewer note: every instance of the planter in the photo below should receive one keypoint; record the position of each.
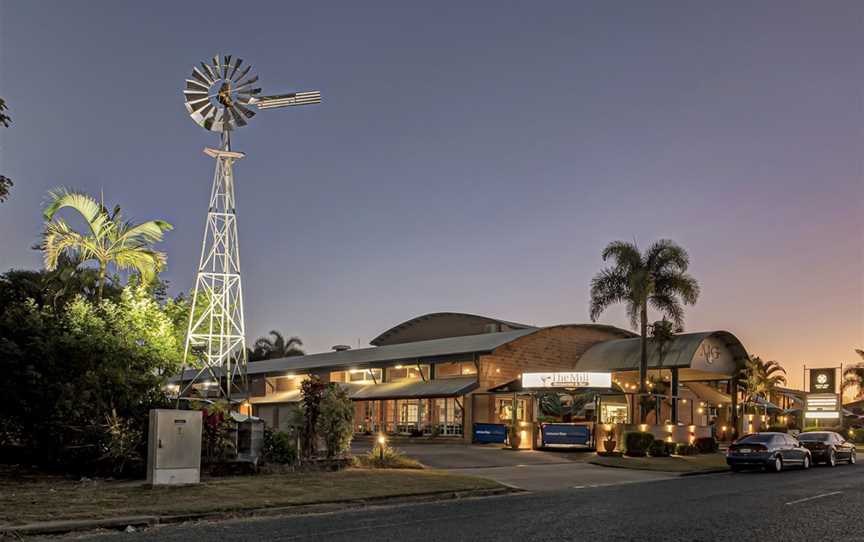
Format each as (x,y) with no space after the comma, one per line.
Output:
(609,445)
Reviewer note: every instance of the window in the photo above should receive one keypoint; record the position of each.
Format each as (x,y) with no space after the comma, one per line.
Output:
(364,375)
(504,408)
(445,370)
(407,372)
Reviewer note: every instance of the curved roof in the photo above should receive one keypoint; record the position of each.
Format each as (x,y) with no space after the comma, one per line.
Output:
(439,325)
(624,354)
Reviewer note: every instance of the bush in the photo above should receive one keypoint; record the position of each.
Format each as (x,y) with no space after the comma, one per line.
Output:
(685,449)
(278,448)
(336,420)
(836,429)
(854,435)
(706,445)
(659,448)
(777,429)
(385,457)
(637,443)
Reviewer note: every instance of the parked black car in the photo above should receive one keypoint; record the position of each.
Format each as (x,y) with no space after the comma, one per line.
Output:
(828,447)
(771,451)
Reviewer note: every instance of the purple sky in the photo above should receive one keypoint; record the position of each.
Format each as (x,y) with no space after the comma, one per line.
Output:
(470,156)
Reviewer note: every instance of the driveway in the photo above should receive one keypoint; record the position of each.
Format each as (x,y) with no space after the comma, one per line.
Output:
(531,470)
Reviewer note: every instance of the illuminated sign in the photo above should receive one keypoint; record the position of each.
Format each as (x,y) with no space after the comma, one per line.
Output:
(822,406)
(823,380)
(567,380)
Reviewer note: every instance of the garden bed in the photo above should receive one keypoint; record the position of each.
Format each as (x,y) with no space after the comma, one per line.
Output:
(692,464)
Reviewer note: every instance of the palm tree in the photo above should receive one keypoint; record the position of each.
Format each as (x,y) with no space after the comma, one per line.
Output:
(853,376)
(277,347)
(658,278)
(761,377)
(110,239)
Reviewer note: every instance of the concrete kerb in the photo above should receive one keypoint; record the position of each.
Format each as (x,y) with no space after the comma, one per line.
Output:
(118,523)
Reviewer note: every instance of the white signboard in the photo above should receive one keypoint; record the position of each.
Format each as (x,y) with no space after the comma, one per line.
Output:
(567,380)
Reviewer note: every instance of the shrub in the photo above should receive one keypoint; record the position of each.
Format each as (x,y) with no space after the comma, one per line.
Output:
(637,443)
(777,429)
(311,393)
(278,448)
(706,445)
(685,449)
(854,435)
(836,429)
(336,420)
(384,457)
(658,448)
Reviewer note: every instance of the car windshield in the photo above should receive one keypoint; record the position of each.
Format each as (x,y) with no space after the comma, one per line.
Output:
(813,437)
(752,439)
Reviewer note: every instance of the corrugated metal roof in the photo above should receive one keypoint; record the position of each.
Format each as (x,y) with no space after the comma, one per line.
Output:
(417,389)
(624,354)
(437,315)
(363,357)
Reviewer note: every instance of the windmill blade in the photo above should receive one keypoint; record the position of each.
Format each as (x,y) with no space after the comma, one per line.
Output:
(236,117)
(199,75)
(193,84)
(237,62)
(247,83)
(288,100)
(226,65)
(210,74)
(248,113)
(217,67)
(242,73)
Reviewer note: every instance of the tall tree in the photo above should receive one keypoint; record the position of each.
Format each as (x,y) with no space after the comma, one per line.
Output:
(110,239)
(5,182)
(760,378)
(853,376)
(657,279)
(276,347)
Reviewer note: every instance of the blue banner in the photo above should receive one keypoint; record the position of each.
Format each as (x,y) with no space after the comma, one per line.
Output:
(490,433)
(565,433)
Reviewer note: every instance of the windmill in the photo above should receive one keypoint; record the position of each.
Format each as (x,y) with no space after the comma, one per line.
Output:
(222,96)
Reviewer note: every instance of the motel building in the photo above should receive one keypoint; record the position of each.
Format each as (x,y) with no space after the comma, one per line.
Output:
(467,378)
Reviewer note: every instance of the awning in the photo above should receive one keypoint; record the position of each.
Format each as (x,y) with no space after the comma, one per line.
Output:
(765,403)
(706,393)
(515,386)
(417,389)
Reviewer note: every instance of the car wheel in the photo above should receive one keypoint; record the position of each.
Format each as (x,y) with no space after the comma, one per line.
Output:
(806,462)
(852,458)
(776,465)
(832,459)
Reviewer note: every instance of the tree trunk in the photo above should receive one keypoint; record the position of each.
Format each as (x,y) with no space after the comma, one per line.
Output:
(102,269)
(643,360)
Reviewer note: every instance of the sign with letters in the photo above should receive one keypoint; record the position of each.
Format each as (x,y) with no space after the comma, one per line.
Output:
(565,433)
(567,380)
(490,433)
(823,380)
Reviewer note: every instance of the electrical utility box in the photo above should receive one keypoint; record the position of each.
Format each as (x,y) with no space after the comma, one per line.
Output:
(174,447)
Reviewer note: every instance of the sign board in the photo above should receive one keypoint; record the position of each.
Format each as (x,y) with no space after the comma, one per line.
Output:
(565,433)
(490,433)
(567,380)
(823,380)
(823,406)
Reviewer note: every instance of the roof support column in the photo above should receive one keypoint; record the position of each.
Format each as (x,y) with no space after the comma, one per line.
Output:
(674,395)
(733,393)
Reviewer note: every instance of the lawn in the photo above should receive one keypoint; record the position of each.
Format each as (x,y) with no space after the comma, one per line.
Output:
(684,464)
(32,499)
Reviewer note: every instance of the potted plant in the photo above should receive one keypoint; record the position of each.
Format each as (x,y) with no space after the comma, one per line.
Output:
(609,442)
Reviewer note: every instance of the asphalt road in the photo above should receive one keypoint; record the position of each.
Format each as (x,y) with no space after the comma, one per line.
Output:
(821,504)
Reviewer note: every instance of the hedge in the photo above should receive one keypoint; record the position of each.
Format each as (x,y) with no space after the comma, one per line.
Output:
(637,443)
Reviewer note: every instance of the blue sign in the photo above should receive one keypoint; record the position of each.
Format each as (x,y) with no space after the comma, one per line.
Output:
(565,433)
(490,433)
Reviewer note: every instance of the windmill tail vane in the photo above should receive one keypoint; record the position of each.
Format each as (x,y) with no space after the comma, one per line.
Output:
(221,95)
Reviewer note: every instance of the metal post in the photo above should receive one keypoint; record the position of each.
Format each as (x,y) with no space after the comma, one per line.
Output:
(674,395)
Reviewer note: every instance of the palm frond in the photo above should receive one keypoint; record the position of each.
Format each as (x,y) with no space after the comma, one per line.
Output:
(665,254)
(91,210)
(144,261)
(608,287)
(59,238)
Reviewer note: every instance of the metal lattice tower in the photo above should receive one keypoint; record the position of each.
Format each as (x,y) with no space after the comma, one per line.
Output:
(219,97)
